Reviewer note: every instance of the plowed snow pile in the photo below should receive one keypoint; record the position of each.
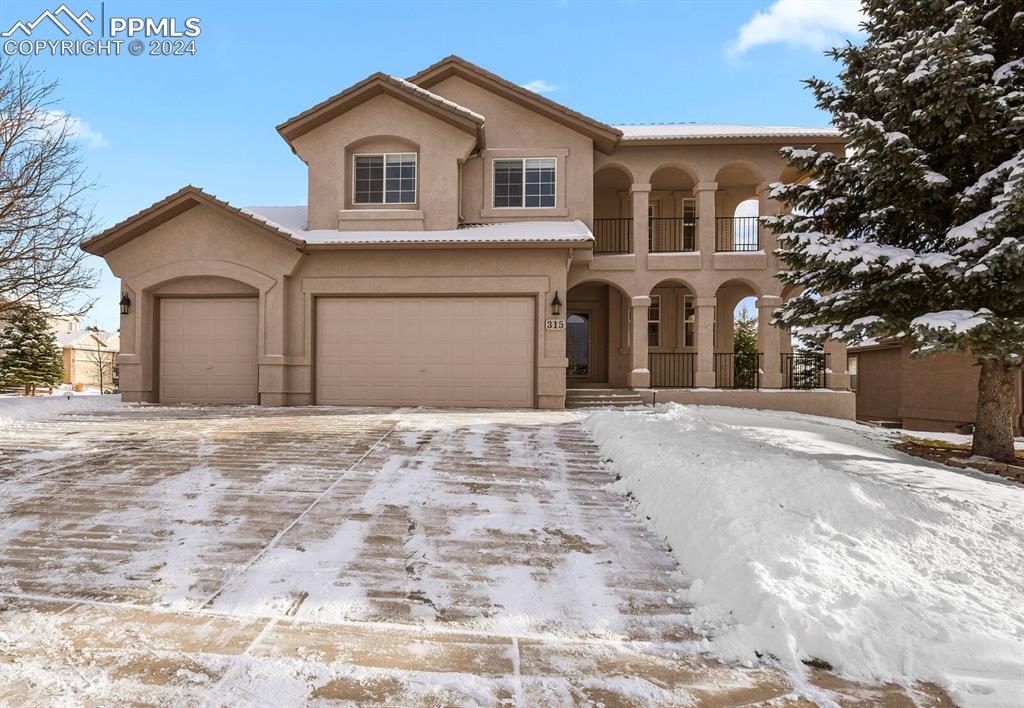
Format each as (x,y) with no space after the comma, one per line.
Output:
(807,537)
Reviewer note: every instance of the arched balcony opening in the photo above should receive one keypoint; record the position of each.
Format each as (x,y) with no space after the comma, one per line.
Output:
(737,224)
(613,213)
(672,211)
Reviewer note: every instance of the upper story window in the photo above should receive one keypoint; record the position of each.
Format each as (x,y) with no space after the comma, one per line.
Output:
(528,182)
(384,178)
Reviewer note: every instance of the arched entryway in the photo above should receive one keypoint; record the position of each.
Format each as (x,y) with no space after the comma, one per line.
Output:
(597,335)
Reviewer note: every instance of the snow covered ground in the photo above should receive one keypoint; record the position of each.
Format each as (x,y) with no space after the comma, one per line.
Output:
(28,408)
(812,538)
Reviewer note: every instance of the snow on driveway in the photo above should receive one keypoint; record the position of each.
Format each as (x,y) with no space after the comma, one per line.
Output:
(254,556)
(811,538)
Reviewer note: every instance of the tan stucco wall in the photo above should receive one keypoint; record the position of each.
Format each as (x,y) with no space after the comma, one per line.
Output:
(832,404)
(380,124)
(239,258)
(935,393)
(515,131)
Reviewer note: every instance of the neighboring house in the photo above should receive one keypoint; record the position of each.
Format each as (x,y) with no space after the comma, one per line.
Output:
(90,360)
(936,393)
(459,229)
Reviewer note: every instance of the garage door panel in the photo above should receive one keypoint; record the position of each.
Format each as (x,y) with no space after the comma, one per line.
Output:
(466,351)
(209,350)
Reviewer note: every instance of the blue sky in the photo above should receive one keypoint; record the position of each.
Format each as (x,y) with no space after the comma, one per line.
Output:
(149,125)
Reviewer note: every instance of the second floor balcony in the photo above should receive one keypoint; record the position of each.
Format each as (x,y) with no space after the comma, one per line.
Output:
(683,215)
(733,234)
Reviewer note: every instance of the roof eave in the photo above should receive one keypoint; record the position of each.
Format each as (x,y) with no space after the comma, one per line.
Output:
(462,245)
(605,137)
(166,209)
(734,140)
(371,87)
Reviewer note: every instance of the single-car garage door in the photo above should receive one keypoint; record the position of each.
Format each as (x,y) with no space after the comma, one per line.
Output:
(435,351)
(208,350)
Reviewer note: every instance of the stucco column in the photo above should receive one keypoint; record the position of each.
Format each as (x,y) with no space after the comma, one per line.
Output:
(769,342)
(640,375)
(641,198)
(704,376)
(767,207)
(838,376)
(705,194)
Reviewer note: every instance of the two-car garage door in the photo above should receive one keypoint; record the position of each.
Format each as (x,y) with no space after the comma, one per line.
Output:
(434,351)
(431,351)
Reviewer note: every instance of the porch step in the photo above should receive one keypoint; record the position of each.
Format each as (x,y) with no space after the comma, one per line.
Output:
(600,397)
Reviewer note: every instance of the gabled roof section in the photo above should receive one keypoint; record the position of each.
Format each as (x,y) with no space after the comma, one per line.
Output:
(604,136)
(376,85)
(166,209)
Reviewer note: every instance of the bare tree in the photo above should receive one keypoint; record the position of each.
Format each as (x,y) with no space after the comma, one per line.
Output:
(44,207)
(102,361)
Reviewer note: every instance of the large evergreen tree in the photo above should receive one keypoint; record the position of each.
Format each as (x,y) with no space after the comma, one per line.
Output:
(918,232)
(29,354)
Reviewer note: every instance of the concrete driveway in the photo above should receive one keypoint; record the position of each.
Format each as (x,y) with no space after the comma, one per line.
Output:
(252,556)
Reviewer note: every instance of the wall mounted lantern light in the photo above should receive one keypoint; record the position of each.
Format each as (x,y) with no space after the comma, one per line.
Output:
(126,303)
(556,305)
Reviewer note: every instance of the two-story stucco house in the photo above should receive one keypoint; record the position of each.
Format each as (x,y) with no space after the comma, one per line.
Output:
(469,243)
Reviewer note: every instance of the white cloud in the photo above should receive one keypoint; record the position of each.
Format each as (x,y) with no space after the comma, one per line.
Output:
(77,129)
(815,24)
(540,86)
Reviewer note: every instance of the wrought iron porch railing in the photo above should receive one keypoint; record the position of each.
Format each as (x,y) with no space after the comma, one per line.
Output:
(613,235)
(672,369)
(804,369)
(737,233)
(738,370)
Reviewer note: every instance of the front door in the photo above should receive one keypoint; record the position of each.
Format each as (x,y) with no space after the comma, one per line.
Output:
(577,343)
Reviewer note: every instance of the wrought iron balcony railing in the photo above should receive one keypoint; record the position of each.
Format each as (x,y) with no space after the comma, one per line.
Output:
(672,235)
(613,235)
(737,233)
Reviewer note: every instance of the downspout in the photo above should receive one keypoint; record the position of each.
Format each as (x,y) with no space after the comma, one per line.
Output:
(461,163)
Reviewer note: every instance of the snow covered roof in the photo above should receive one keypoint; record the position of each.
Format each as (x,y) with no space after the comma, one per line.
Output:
(82,338)
(697,131)
(292,219)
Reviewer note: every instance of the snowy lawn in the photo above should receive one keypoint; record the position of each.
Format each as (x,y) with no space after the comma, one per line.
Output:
(27,408)
(810,538)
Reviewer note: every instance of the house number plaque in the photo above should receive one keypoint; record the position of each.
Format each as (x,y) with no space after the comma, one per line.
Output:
(554,325)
